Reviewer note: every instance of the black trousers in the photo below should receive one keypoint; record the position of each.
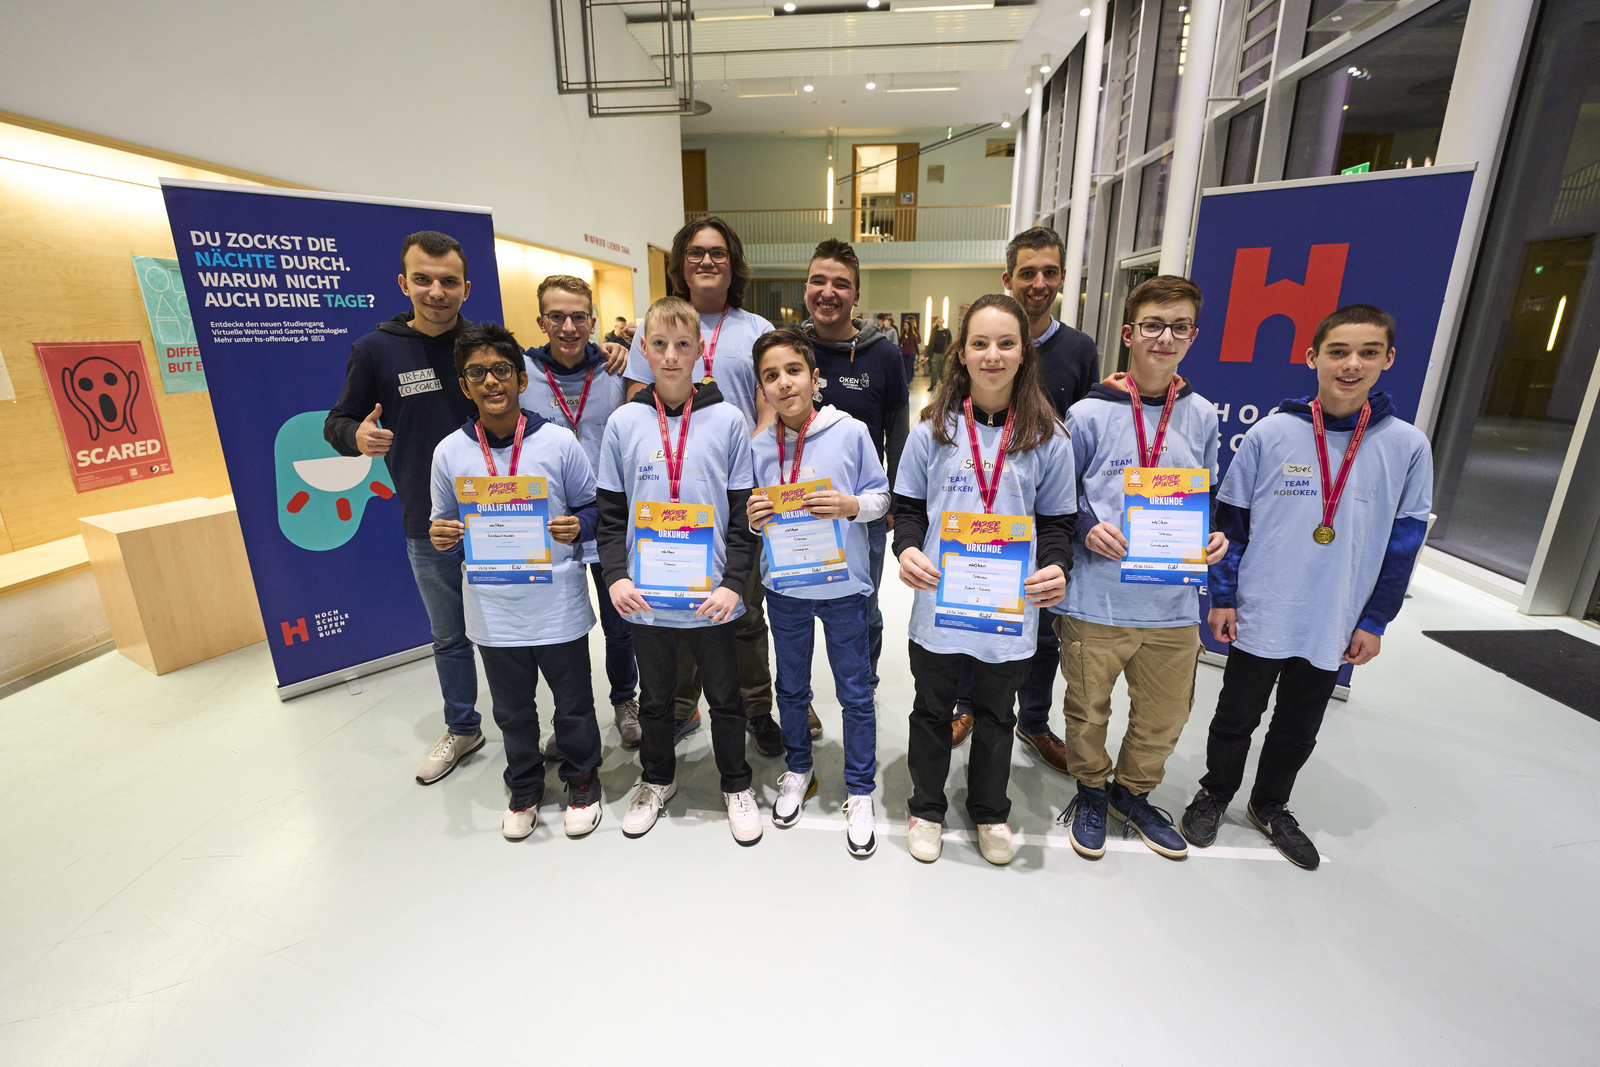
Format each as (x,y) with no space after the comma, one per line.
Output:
(1037,692)
(513,673)
(994,692)
(712,648)
(1303,694)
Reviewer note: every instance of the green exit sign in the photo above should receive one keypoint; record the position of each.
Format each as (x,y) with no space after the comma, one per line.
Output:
(1359,168)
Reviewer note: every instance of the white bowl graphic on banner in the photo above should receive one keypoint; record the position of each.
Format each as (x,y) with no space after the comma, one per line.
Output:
(334,474)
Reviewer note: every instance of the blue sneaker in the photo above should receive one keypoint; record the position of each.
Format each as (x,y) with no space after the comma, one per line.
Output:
(1086,815)
(1153,824)
(684,727)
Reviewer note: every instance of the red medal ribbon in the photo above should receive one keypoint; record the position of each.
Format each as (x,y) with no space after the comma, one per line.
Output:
(1331,494)
(582,400)
(1152,458)
(799,446)
(988,490)
(516,445)
(711,353)
(674,463)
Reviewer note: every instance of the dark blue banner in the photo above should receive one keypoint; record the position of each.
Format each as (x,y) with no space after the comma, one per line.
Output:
(280,283)
(1274,260)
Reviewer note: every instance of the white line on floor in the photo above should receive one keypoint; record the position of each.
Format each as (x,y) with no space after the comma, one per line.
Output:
(1113,844)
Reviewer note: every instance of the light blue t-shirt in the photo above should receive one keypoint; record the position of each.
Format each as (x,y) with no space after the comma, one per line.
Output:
(731,364)
(605,396)
(840,449)
(1296,597)
(716,459)
(533,614)
(1103,443)
(1033,482)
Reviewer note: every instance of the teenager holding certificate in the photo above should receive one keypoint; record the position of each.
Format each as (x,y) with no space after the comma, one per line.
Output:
(674,466)
(1111,626)
(1326,506)
(983,515)
(516,492)
(821,485)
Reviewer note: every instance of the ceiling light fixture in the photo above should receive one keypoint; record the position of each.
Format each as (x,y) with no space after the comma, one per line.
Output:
(940,5)
(729,14)
(1005,121)
(872,82)
(807,85)
(873,4)
(1084,13)
(949,88)
(1044,63)
(1027,87)
(788,7)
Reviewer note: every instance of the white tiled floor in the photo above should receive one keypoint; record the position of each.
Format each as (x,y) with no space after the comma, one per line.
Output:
(198,874)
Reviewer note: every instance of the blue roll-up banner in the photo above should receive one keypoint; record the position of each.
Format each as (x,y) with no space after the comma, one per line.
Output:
(1273,260)
(280,283)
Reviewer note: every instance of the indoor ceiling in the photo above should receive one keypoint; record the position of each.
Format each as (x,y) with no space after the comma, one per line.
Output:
(752,67)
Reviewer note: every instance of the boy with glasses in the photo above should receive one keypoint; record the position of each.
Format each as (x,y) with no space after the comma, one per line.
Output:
(706,267)
(1150,633)
(525,622)
(568,383)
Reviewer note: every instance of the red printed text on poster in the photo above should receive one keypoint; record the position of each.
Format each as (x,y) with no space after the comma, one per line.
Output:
(107,412)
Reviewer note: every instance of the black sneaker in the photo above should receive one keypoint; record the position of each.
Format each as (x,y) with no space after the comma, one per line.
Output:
(684,727)
(583,806)
(1280,826)
(766,734)
(1202,817)
(813,723)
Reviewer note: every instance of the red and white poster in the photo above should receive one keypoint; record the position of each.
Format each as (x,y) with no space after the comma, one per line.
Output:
(107,412)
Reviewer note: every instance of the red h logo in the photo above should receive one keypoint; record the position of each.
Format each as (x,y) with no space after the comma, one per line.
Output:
(1251,301)
(298,628)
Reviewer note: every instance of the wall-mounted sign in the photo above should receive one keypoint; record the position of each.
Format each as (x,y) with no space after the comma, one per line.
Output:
(101,392)
(171,328)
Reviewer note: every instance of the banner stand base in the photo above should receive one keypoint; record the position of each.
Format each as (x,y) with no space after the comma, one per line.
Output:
(347,674)
(1217,659)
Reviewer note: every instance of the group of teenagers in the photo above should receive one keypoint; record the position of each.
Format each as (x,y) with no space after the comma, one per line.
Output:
(1313,536)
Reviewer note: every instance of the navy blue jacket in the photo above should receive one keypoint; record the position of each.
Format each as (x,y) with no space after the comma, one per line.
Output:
(865,378)
(1069,367)
(414,377)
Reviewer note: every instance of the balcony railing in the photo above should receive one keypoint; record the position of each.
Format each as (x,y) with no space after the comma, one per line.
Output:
(784,237)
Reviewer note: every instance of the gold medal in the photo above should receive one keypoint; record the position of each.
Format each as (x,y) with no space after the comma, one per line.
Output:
(706,380)
(1323,535)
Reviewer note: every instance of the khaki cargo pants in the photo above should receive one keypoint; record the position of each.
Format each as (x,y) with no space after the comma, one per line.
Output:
(1159,663)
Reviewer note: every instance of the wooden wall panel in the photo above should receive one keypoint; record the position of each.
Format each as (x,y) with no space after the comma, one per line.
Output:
(66,274)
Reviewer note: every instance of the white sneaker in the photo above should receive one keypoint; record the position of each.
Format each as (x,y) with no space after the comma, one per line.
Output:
(744,818)
(860,834)
(925,839)
(583,806)
(448,751)
(994,842)
(645,807)
(793,792)
(549,750)
(518,824)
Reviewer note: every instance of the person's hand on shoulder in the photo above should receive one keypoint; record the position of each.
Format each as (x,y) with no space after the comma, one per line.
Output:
(616,357)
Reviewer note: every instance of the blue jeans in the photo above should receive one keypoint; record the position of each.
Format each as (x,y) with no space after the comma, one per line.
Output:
(1037,692)
(844,632)
(621,671)
(877,536)
(438,577)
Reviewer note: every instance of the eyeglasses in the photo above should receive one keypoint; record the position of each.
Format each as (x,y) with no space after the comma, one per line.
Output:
(1181,331)
(502,372)
(558,319)
(716,255)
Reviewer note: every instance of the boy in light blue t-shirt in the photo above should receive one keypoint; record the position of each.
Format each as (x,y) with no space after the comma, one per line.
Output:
(806,583)
(525,627)
(1325,507)
(676,459)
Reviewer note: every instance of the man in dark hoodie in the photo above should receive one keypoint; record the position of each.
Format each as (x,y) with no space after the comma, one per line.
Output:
(398,402)
(860,372)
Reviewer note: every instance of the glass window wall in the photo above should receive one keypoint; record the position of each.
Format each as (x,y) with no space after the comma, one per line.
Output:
(1380,107)
(1152,203)
(1260,34)
(1532,327)
(1244,146)
(1172,44)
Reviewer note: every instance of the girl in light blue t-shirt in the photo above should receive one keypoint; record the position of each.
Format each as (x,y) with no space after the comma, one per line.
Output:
(988,443)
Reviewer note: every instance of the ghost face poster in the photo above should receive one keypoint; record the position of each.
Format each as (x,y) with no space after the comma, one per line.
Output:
(103,400)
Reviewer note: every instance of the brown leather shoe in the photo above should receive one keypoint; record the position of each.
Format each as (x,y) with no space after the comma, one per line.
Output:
(960,730)
(1048,747)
